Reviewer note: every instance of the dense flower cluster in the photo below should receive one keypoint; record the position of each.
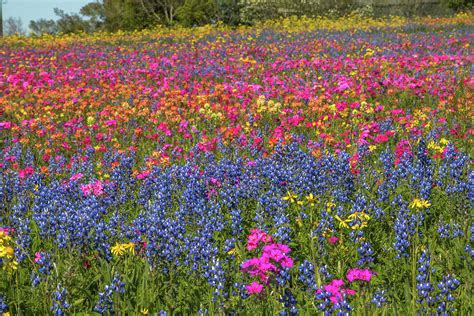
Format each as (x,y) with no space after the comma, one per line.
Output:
(135,168)
(273,259)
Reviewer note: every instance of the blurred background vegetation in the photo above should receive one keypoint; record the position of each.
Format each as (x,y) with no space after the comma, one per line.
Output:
(129,15)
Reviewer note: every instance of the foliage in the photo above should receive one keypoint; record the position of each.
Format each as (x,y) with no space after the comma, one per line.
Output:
(13,26)
(43,26)
(197,12)
(459,5)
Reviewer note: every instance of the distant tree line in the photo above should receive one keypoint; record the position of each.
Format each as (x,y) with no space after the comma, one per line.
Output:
(128,15)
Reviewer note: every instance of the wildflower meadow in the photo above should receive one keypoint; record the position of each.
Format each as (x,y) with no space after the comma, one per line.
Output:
(302,166)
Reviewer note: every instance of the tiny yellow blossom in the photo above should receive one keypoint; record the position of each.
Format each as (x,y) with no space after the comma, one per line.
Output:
(310,199)
(420,203)
(291,197)
(342,223)
(118,249)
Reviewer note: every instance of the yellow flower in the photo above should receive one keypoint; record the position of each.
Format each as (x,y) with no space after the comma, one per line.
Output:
(130,247)
(144,311)
(329,206)
(118,249)
(420,203)
(90,120)
(342,223)
(361,218)
(291,197)
(443,141)
(310,199)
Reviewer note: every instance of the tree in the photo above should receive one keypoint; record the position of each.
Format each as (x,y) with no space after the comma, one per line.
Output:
(197,12)
(228,11)
(71,23)
(459,5)
(13,26)
(126,15)
(43,26)
(95,11)
(166,8)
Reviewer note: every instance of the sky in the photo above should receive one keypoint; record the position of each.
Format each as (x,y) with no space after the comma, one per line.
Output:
(29,10)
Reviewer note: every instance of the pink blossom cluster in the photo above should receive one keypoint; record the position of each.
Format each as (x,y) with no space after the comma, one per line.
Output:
(25,173)
(6,230)
(337,286)
(96,188)
(359,275)
(274,257)
(256,237)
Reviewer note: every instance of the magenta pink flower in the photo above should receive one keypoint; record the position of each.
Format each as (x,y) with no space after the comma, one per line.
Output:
(257,236)
(76,176)
(333,240)
(381,138)
(142,175)
(37,257)
(359,274)
(95,188)
(254,288)
(23,173)
(336,289)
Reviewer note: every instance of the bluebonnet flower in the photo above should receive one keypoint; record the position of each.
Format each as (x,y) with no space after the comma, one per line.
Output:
(325,273)
(379,298)
(469,250)
(105,303)
(404,229)
(446,288)
(424,285)
(365,253)
(60,304)
(283,276)
(449,231)
(3,304)
(306,270)
(289,303)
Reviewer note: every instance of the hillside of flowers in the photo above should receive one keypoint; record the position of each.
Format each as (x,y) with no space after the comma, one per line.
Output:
(298,167)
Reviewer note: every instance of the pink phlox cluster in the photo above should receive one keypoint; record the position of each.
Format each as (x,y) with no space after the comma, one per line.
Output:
(7,230)
(27,172)
(254,288)
(76,176)
(256,237)
(96,188)
(336,289)
(274,257)
(359,275)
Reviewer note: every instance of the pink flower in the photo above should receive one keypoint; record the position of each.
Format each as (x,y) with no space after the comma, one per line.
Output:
(95,188)
(381,138)
(76,176)
(7,231)
(359,274)
(111,123)
(256,236)
(350,292)
(333,240)
(5,125)
(23,173)
(37,257)
(142,175)
(254,288)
